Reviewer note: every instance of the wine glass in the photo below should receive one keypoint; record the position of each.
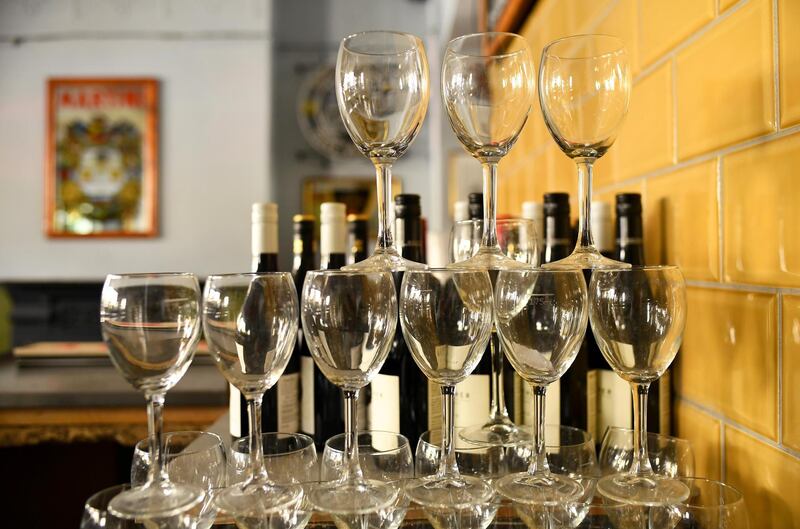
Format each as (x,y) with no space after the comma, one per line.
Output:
(487,86)
(151,325)
(383,456)
(541,319)
(288,458)
(195,458)
(446,317)
(517,240)
(638,316)
(669,456)
(96,514)
(250,323)
(487,462)
(584,92)
(382,90)
(712,505)
(349,320)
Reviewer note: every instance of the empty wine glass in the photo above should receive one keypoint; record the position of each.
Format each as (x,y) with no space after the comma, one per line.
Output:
(446,317)
(638,316)
(250,322)
(516,239)
(541,319)
(487,462)
(151,325)
(488,85)
(194,458)
(712,505)
(288,458)
(383,456)
(96,514)
(669,456)
(349,320)
(584,92)
(382,90)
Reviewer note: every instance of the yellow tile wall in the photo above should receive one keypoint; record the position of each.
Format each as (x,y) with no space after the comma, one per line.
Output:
(711,141)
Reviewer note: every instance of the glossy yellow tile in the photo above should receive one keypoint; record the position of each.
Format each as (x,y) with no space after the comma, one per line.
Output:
(791,371)
(767,477)
(761,193)
(789,57)
(665,23)
(702,430)
(729,357)
(681,222)
(725,82)
(584,13)
(622,22)
(645,142)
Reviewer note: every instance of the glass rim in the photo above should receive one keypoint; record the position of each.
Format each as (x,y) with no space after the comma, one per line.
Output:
(678,440)
(146,275)
(349,273)
(541,269)
(448,269)
(621,49)
(513,36)
(245,441)
(725,488)
(371,432)
(521,220)
(199,434)
(413,38)
(640,268)
(230,275)
(104,494)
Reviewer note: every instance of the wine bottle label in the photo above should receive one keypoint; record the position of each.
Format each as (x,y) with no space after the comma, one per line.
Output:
(384,409)
(519,392)
(234,412)
(307,395)
(614,405)
(552,402)
(289,402)
(591,403)
(361,413)
(472,401)
(665,404)
(434,407)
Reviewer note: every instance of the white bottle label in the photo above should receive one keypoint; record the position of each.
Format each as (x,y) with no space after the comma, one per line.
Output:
(234,412)
(591,403)
(472,401)
(307,402)
(289,403)
(434,407)
(614,405)
(384,408)
(552,402)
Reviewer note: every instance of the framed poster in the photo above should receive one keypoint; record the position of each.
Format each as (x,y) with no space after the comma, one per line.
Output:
(101,170)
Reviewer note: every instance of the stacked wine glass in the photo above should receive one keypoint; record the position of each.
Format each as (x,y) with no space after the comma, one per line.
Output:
(492,293)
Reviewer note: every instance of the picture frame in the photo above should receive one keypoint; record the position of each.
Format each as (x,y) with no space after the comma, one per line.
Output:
(101,166)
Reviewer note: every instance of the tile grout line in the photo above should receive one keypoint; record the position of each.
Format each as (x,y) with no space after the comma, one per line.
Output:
(742,287)
(780,368)
(723,472)
(776,93)
(728,422)
(674,110)
(720,222)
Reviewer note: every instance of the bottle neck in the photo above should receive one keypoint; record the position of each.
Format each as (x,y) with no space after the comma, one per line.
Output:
(264,246)
(630,242)
(266,262)
(558,237)
(408,234)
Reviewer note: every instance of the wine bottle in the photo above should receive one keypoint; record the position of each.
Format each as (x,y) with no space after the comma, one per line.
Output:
(305,259)
(400,392)
(535,212)
(630,249)
(357,233)
(322,408)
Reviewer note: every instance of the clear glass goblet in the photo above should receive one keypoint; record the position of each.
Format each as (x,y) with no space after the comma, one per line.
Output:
(382,90)
(584,92)
(517,239)
(96,514)
(487,462)
(151,325)
(250,323)
(669,456)
(541,318)
(288,457)
(488,85)
(446,317)
(383,456)
(638,316)
(193,458)
(349,321)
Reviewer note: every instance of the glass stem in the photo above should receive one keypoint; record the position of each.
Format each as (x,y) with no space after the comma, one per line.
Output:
(258,472)
(447,459)
(497,405)
(383,177)
(641,461)
(585,168)
(489,239)
(155,424)
(352,467)
(539,464)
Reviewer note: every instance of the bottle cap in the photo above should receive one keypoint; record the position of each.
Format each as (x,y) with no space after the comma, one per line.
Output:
(602,229)
(407,205)
(629,204)
(357,217)
(303,218)
(264,212)
(333,228)
(556,203)
(532,210)
(476,206)
(264,234)
(460,211)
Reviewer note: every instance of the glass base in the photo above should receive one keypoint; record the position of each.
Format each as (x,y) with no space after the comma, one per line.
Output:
(586,257)
(545,489)
(489,259)
(158,500)
(258,499)
(500,432)
(385,260)
(651,490)
(358,497)
(449,492)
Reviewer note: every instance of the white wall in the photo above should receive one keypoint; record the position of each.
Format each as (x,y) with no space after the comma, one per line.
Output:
(213,60)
